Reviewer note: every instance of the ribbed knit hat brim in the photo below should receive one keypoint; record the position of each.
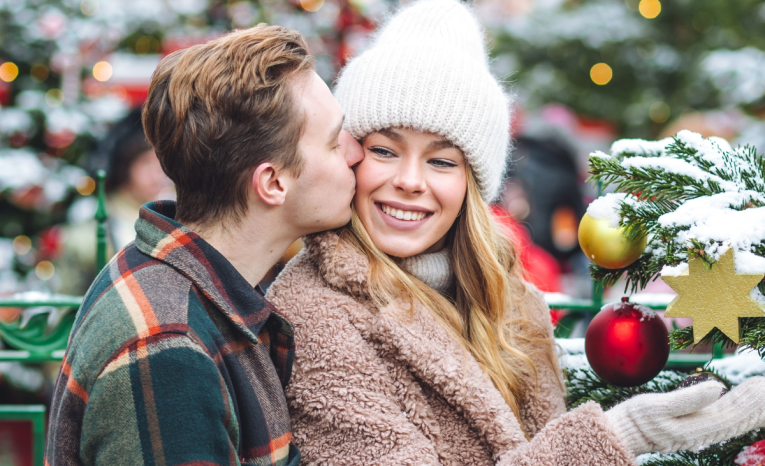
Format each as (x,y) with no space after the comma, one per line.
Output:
(428,70)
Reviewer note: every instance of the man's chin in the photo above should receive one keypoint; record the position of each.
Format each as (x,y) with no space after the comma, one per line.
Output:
(335,223)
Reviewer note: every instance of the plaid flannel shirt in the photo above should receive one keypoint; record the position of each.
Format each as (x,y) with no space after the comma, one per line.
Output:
(173,359)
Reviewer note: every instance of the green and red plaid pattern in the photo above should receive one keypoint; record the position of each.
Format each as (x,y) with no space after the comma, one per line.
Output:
(173,359)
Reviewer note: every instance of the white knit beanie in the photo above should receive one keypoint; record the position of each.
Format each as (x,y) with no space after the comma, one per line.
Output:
(428,70)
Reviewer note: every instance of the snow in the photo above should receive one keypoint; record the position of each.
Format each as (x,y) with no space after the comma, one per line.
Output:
(653,299)
(743,365)
(571,353)
(19,167)
(710,148)
(647,312)
(674,270)
(571,345)
(600,155)
(14,120)
(738,229)
(737,74)
(594,23)
(694,210)
(639,146)
(607,207)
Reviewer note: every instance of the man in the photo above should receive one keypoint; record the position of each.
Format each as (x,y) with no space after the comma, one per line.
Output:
(175,356)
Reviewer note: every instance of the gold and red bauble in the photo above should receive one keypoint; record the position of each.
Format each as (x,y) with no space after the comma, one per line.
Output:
(607,246)
(626,344)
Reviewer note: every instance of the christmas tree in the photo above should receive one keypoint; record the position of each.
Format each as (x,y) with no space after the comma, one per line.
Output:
(699,203)
(638,63)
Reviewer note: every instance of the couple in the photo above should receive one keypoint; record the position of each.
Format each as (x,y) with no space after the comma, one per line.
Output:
(402,334)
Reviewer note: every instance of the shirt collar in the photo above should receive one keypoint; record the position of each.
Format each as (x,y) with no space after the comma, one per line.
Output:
(161,237)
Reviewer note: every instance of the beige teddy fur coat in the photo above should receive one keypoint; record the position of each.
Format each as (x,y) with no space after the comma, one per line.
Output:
(372,387)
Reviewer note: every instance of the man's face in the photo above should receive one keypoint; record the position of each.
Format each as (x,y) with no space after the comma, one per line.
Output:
(322,194)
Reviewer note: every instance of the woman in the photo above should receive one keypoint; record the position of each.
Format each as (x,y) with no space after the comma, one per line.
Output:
(417,340)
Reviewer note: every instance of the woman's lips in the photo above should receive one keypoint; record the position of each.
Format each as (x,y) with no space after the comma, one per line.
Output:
(402,224)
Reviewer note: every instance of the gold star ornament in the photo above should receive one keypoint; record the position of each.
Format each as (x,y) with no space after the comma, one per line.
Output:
(715,297)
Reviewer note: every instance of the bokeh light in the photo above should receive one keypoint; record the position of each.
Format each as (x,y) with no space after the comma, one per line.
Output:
(8,71)
(89,7)
(601,74)
(45,270)
(649,8)
(22,245)
(39,72)
(54,98)
(659,112)
(703,22)
(102,71)
(86,185)
(311,5)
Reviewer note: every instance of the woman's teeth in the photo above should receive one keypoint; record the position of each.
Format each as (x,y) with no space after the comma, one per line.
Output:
(402,214)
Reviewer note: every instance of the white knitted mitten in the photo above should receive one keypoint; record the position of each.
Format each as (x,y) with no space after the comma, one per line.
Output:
(689,418)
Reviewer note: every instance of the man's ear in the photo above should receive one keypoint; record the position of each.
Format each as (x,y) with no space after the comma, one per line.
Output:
(269,184)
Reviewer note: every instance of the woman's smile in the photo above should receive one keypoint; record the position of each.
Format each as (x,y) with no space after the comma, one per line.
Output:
(402,217)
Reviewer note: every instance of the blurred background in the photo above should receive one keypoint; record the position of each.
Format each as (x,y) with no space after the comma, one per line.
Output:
(583,72)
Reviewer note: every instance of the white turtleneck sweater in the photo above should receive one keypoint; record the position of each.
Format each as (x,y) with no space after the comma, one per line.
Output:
(434,269)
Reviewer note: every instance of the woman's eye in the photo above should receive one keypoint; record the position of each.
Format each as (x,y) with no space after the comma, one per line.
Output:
(382,152)
(442,163)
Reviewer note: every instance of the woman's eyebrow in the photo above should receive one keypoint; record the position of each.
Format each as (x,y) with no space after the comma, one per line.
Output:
(440,144)
(392,135)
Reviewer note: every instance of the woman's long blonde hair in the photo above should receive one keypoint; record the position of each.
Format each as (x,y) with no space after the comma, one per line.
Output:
(488,285)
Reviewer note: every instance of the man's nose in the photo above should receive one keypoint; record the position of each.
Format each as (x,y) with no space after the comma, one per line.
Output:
(354,153)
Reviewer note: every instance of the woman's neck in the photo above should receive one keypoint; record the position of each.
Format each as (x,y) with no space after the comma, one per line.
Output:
(434,269)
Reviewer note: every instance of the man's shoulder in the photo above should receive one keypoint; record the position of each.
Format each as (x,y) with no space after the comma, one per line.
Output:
(135,297)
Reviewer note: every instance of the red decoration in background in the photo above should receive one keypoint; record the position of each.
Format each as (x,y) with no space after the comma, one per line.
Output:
(627,344)
(753,455)
(50,243)
(350,21)
(16,442)
(539,266)
(5,93)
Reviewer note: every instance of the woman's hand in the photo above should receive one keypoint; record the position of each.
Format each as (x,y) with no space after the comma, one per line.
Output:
(690,417)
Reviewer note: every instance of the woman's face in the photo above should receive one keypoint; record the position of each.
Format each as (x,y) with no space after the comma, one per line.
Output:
(409,190)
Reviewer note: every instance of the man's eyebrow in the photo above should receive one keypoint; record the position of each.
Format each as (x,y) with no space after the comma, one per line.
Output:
(440,144)
(336,131)
(392,135)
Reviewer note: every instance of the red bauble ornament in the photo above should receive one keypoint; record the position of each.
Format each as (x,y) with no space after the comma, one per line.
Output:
(627,344)
(753,455)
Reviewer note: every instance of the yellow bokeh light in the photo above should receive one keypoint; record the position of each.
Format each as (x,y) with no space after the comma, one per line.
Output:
(102,71)
(312,5)
(22,245)
(659,112)
(601,74)
(45,270)
(54,98)
(649,8)
(8,71)
(86,185)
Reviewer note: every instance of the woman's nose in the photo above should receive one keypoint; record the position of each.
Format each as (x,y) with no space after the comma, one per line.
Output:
(354,153)
(409,177)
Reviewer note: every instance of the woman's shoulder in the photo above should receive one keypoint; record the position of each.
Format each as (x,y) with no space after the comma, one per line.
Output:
(302,294)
